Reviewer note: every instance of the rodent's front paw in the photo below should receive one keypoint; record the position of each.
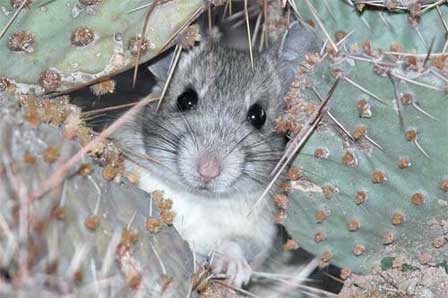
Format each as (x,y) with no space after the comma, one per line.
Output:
(233,264)
(238,271)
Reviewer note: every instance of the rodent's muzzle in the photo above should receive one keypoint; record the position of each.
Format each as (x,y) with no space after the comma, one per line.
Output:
(208,168)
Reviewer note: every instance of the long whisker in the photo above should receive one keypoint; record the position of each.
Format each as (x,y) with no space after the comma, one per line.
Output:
(266,152)
(262,160)
(161,149)
(157,123)
(260,142)
(165,134)
(190,130)
(137,158)
(166,140)
(239,143)
(128,153)
(249,175)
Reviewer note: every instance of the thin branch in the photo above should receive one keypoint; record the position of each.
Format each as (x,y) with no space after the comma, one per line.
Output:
(13,18)
(297,144)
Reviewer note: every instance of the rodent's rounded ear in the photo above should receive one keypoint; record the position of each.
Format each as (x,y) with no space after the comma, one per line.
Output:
(299,40)
(161,65)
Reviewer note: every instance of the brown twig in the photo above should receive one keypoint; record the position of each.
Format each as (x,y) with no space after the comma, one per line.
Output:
(139,42)
(296,144)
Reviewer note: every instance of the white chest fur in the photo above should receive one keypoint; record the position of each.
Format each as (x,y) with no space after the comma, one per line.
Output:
(206,222)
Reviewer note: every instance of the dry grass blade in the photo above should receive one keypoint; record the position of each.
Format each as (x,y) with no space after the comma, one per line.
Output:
(226,7)
(419,108)
(118,107)
(249,38)
(296,144)
(256,30)
(139,51)
(294,8)
(333,277)
(139,8)
(354,84)
(333,118)
(364,59)
(176,56)
(382,4)
(131,221)
(396,86)
(159,259)
(182,28)
(416,82)
(266,23)
(13,18)
(109,256)
(291,145)
(327,7)
(322,27)
(417,55)
(439,12)
(324,53)
(289,283)
(245,292)
(81,252)
(429,51)
(400,113)
(374,143)
(435,4)
(237,16)
(420,148)
(209,17)
(46,3)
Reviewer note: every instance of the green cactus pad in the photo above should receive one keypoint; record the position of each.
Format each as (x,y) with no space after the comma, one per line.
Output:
(382,190)
(59,45)
(89,237)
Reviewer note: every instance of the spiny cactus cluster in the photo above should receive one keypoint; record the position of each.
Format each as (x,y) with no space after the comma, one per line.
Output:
(368,191)
(91,236)
(59,45)
(371,183)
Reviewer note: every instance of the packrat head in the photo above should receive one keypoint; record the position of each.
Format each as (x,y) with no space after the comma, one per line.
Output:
(214,133)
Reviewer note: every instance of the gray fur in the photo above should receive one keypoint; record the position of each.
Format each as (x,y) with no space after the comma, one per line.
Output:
(215,214)
(227,87)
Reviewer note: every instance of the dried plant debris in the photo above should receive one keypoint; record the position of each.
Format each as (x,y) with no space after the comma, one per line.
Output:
(399,282)
(103,87)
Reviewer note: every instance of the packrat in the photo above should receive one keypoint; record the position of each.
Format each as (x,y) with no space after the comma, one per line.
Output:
(215,145)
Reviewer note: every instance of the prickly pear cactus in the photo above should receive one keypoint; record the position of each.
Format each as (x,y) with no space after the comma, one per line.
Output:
(373,178)
(59,45)
(89,237)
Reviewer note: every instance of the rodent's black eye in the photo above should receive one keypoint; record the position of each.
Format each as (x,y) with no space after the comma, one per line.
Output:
(187,100)
(256,116)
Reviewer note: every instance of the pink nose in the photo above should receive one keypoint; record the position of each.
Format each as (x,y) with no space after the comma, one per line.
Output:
(209,169)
